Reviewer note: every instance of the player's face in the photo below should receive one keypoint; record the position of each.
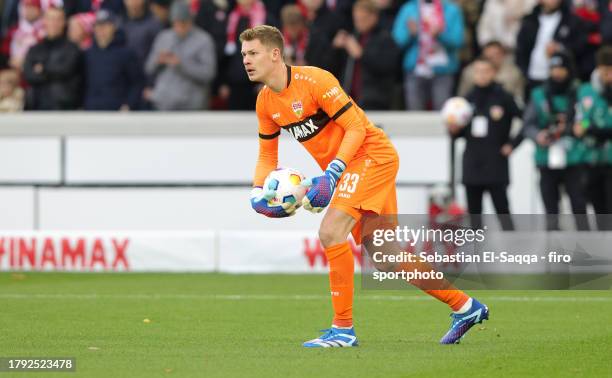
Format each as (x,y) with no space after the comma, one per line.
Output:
(258,60)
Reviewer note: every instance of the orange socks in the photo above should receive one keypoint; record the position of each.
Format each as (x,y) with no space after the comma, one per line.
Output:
(453,297)
(341,282)
(442,290)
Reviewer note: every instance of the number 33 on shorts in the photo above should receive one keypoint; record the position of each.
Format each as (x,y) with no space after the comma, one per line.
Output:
(348,183)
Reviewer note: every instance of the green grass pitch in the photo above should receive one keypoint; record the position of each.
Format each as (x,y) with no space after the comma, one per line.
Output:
(206,325)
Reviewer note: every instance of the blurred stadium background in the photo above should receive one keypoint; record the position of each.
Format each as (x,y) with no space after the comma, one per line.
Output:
(127,239)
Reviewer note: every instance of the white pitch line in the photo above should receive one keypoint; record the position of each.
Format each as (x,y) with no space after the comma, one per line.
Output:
(273,297)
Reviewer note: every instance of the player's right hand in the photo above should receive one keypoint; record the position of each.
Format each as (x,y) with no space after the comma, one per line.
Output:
(321,189)
(260,202)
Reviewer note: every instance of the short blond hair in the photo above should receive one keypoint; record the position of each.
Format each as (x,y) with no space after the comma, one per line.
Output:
(269,36)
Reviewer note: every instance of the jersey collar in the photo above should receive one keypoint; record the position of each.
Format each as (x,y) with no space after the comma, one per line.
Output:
(288,75)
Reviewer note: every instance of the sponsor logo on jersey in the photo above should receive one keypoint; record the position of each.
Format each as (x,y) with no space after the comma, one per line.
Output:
(331,93)
(308,128)
(303,130)
(297,108)
(275,115)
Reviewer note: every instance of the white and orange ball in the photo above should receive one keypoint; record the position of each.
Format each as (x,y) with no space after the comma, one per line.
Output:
(457,111)
(289,188)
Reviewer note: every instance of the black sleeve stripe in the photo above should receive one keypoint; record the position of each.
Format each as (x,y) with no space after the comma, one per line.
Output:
(342,110)
(269,136)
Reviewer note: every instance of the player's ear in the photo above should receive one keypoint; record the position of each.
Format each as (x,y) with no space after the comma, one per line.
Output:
(276,54)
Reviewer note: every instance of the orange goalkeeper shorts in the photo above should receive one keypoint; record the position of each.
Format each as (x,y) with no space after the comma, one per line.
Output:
(366,187)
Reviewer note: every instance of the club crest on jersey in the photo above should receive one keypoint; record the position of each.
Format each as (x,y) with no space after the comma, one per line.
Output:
(297,108)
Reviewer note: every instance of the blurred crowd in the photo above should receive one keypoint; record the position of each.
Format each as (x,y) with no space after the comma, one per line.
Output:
(185,55)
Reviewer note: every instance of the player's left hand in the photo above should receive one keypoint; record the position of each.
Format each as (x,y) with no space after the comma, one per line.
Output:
(321,189)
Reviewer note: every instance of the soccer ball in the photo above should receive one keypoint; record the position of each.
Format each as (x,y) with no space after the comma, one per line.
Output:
(457,111)
(289,188)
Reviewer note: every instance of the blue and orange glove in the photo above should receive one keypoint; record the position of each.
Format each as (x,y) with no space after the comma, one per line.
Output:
(260,202)
(321,189)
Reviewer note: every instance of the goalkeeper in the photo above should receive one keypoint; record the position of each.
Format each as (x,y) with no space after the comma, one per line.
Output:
(359,162)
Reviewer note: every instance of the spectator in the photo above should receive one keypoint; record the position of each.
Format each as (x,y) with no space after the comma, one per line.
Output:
(606,21)
(54,68)
(212,18)
(303,46)
(550,28)
(387,11)
(80,29)
(488,142)
(588,12)
(28,32)
(236,89)
(11,94)
(184,63)
(113,81)
(501,21)
(471,10)
(140,28)
(9,16)
(321,18)
(370,58)
(559,156)
(594,125)
(508,74)
(431,34)
(161,11)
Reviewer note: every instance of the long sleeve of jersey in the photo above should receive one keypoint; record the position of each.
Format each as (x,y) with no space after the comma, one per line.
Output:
(267,160)
(340,108)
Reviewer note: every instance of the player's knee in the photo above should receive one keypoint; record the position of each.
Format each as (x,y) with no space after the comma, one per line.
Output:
(329,237)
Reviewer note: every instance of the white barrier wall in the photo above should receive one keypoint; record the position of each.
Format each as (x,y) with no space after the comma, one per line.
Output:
(17,208)
(30,160)
(59,150)
(177,209)
(174,160)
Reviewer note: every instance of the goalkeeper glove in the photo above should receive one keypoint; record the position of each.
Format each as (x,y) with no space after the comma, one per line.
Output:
(321,189)
(260,198)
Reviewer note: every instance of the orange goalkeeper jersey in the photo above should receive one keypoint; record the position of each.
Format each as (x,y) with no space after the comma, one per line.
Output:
(315,110)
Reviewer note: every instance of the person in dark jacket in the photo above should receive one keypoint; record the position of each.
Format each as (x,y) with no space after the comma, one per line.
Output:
(303,45)
(113,80)
(550,28)
(488,143)
(606,21)
(370,58)
(160,9)
(212,18)
(53,68)
(140,28)
(236,88)
(559,156)
(321,18)
(594,125)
